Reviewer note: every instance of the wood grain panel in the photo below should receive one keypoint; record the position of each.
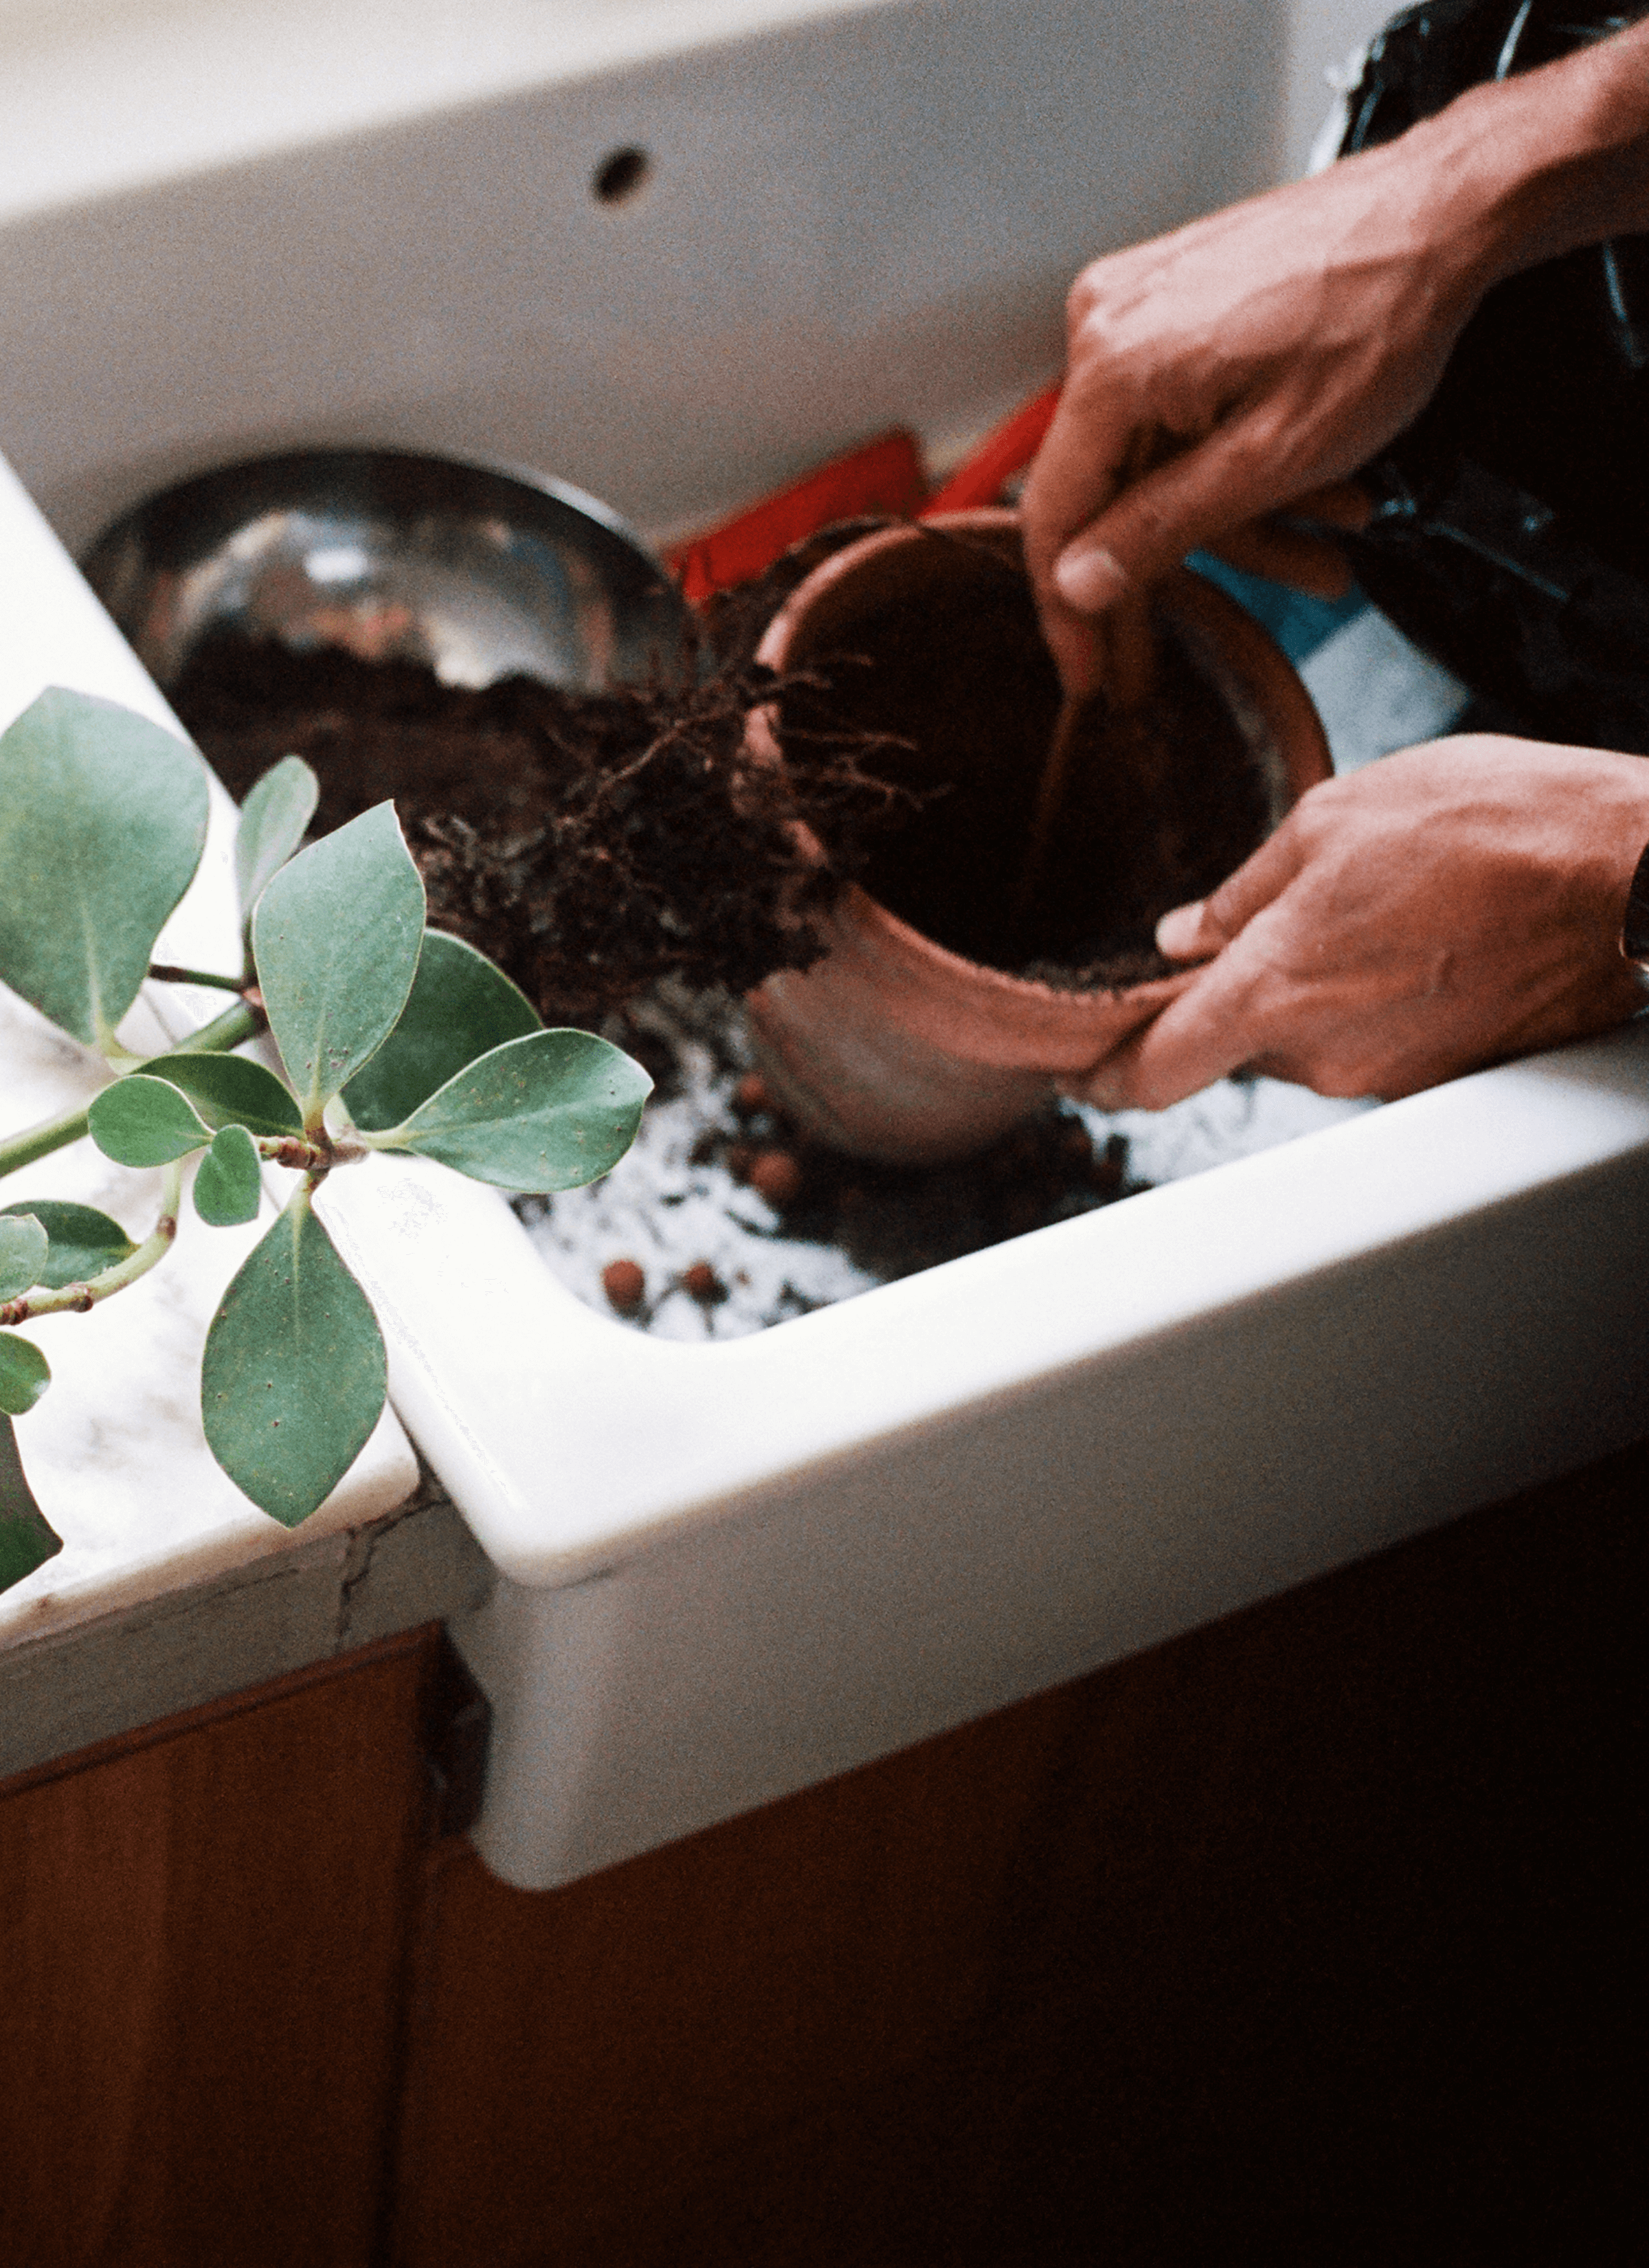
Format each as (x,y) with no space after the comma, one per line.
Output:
(202,1938)
(1299,1937)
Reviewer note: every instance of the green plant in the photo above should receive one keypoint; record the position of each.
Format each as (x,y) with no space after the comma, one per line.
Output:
(393,1038)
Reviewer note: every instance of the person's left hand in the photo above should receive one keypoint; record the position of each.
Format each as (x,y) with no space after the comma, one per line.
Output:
(1446,908)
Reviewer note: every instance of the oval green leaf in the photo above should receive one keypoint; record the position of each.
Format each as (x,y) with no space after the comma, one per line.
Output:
(335,938)
(102,822)
(145,1121)
(26,1539)
(460,1007)
(24,1375)
(23,1245)
(229,1181)
(551,1111)
(293,1374)
(230,1091)
(273,818)
(83,1241)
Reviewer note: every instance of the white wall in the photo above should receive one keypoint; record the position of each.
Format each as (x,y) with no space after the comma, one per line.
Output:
(104,95)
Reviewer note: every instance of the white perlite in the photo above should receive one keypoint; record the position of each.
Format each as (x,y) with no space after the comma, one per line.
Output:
(670,1207)
(667,1213)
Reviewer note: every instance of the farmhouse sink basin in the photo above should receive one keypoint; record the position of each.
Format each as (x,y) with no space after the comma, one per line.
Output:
(727,1571)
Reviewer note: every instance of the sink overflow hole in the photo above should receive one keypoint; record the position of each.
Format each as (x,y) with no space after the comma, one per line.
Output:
(619,175)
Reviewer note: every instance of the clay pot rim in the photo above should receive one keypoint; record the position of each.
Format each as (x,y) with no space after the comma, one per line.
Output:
(1182,592)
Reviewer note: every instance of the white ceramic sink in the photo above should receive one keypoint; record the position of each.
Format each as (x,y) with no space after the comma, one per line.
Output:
(735,1570)
(730,1570)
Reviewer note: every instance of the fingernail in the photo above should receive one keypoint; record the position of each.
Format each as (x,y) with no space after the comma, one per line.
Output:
(1178,932)
(1089,580)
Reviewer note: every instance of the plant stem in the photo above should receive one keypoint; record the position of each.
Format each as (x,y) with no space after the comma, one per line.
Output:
(79,1299)
(165,973)
(316,1159)
(242,1022)
(40,1141)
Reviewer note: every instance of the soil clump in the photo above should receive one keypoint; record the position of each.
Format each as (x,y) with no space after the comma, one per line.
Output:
(593,843)
(589,842)
(894,1220)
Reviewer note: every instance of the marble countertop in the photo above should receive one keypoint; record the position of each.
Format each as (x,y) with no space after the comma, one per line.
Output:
(114,1451)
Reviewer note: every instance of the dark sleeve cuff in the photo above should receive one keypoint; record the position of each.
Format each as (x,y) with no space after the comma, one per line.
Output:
(1634,937)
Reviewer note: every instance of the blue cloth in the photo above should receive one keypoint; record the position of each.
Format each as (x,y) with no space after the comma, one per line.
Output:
(1299,624)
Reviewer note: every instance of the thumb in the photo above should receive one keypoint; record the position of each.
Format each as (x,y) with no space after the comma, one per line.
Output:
(1187,934)
(1074,641)
(1199,930)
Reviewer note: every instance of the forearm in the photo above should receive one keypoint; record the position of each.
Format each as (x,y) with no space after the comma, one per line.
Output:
(1545,162)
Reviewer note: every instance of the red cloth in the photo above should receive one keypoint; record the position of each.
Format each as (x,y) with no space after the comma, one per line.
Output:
(884,475)
(1004,452)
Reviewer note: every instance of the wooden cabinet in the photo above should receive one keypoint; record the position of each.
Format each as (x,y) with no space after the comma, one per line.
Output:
(204,1931)
(1301,1939)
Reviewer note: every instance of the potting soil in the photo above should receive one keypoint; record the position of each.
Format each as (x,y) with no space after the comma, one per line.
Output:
(719,1222)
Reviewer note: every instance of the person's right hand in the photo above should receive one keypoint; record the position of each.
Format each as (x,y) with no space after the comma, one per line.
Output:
(1258,357)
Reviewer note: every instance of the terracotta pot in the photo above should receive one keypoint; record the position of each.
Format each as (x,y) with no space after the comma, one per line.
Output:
(895,1047)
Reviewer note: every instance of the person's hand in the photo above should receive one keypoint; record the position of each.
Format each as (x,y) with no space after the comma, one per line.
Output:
(1257,359)
(1444,909)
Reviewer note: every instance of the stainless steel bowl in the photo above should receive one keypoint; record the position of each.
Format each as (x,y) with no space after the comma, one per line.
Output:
(476,570)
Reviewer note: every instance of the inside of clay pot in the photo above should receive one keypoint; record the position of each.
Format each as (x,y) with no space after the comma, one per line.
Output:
(934,643)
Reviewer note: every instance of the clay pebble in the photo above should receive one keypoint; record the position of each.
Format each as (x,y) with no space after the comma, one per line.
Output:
(701,1282)
(775,1176)
(625,1283)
